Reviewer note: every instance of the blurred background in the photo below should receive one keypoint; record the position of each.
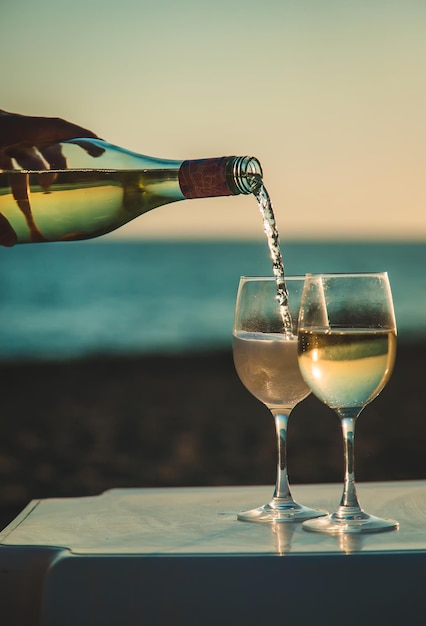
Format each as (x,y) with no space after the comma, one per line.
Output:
(115,355)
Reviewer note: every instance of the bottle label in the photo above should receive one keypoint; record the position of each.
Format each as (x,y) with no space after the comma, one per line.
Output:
(204,178)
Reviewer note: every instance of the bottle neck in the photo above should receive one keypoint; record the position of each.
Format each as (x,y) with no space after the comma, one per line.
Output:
(224,176)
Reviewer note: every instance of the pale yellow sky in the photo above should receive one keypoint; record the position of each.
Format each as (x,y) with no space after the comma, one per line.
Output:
(330,95)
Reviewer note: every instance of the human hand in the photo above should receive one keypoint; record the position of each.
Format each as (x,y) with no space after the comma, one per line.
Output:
(33,141)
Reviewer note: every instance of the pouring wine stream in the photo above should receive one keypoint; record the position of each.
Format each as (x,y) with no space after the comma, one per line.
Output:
(272,236)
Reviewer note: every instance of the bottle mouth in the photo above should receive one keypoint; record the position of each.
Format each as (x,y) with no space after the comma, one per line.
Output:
(246,173)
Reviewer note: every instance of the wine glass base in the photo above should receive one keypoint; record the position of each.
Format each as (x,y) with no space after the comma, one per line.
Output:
(362,523)
(277,512)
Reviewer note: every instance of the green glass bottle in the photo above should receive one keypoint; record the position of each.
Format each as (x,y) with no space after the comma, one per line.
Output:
(96,187)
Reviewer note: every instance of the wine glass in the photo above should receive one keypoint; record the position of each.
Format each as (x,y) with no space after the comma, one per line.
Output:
(347,347)
(265,357)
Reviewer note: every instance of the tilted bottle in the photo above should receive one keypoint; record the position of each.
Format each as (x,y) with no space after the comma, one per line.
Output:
(104,187)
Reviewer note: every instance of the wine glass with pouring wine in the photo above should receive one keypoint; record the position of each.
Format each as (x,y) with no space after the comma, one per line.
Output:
(265,357)
(347,347)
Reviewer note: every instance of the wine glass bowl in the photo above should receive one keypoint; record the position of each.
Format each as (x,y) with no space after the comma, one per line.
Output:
(347,348)
(265,358)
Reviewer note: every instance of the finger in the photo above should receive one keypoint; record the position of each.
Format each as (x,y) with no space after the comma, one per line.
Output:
(20,189)
(27,158)
(5,162)
(32,160)
(53,155)
(56,160)
(8,236)
(91,148)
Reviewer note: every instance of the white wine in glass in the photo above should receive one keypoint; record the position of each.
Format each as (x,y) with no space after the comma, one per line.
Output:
(347,348)
(265,357)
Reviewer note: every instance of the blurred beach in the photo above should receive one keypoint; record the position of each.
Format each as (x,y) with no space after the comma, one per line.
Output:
(85,408)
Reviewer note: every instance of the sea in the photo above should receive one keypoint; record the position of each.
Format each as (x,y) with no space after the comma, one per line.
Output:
(116,297)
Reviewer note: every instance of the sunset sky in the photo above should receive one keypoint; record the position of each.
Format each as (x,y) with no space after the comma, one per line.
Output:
(330,95)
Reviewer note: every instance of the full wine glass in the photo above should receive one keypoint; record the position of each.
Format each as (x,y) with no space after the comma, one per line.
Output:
(347,347)
(265,357)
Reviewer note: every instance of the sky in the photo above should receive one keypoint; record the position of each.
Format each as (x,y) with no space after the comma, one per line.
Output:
(329,95)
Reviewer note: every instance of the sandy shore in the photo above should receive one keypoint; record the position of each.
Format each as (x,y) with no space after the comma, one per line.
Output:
(80,427)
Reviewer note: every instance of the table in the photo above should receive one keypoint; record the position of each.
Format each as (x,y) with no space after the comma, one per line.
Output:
(179,556)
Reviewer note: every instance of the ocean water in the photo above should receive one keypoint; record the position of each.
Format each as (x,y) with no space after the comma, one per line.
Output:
(86,298)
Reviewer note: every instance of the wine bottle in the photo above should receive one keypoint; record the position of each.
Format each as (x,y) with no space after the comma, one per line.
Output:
(104,186)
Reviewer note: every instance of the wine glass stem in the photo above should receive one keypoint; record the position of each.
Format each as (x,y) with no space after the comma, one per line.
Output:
(282,489)
(349,502)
